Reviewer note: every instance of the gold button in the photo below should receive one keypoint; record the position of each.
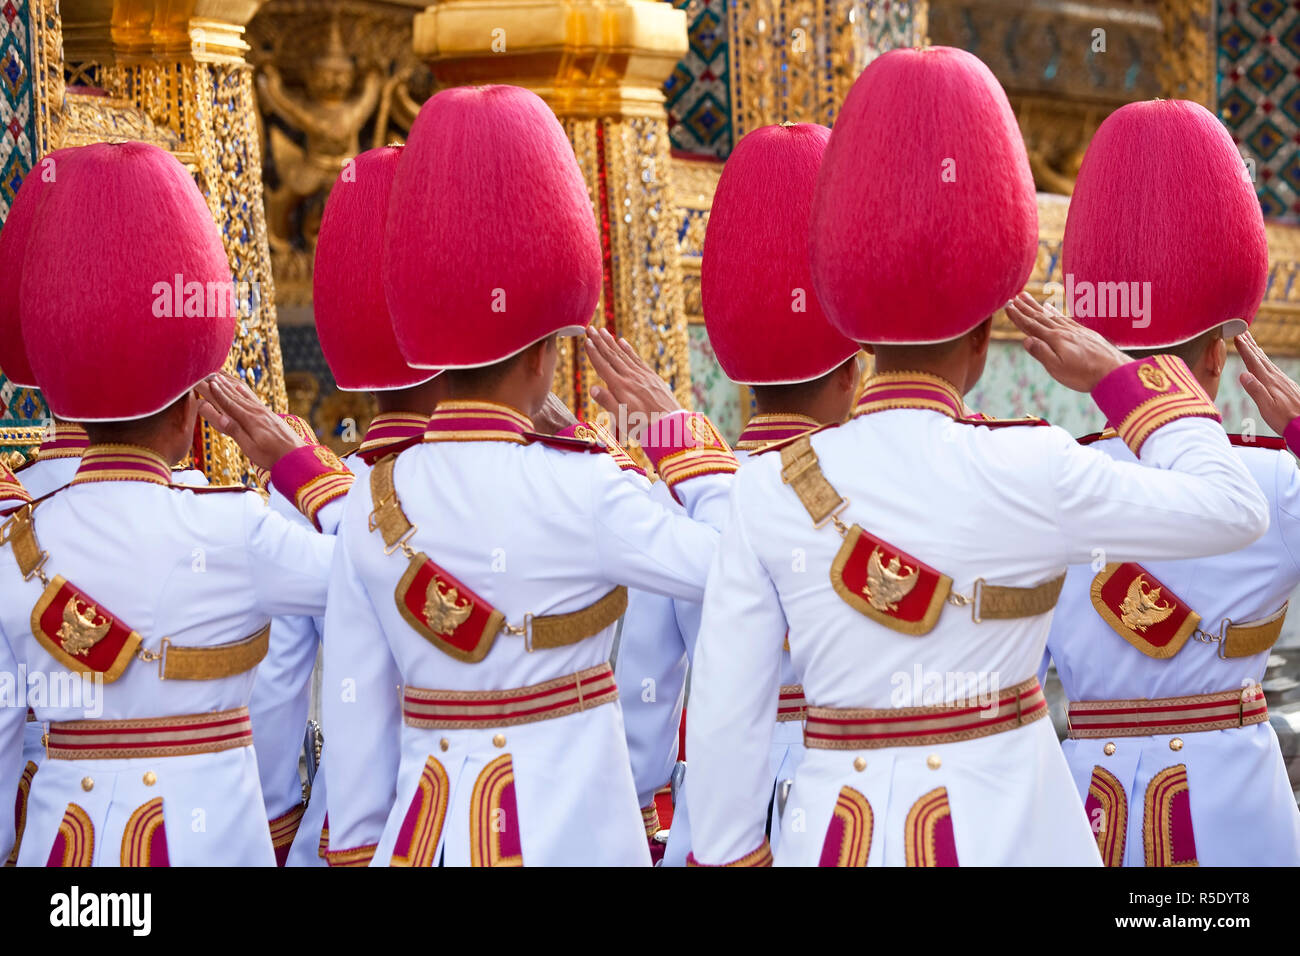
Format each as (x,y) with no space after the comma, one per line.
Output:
(933,762)
(1176,743)
(499,740)
(87,783)
(1108,750)
(150,778)
(860,764)
(444,743)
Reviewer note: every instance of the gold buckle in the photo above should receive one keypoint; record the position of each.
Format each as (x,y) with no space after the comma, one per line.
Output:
(149,656)
(797,467)
(373,520)
(834,518)
(525,631)
(1205,637)
(404,542)
(961,600)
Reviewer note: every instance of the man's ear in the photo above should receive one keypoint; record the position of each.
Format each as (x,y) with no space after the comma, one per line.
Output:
(847,375)
(1216,357)
(980,336)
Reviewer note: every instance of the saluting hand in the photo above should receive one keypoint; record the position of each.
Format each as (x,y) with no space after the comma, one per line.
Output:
(232,409)
(1277,397)
(630,384)
(1074,355)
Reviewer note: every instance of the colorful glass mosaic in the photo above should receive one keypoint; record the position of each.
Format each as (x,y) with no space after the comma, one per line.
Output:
(697,94)
(20,408)
(1259,96)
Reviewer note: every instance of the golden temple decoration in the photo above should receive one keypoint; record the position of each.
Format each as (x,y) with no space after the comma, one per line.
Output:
(176,74)
(600,66)
(796,59)
(334,77)
(1187,51)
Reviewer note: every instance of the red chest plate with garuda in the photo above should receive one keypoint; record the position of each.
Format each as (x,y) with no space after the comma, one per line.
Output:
(887,584)
(81,633)
(445,612)
(1142,610)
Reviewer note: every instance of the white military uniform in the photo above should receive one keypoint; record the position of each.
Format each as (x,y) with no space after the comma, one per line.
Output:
(1011,506)
(53,466)
(1242,810)
(282,692)
(533,530)
(205,569)
(657,644)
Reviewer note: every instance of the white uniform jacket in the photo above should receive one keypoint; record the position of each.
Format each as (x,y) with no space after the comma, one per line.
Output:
(533,530)
(1223,794)
(1013,506)
(192,568)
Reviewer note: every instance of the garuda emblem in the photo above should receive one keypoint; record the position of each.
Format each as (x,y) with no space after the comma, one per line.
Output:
(444,608)
(1142,606)
(887,584)
(83,627)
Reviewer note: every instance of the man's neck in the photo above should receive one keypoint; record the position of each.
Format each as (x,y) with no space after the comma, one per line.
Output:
(503,394)
(952,371)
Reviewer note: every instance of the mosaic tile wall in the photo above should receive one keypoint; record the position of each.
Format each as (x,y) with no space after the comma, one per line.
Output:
(19,407)
(696,94)
(1259,95)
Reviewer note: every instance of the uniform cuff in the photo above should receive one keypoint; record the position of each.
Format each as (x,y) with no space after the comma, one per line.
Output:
(311,476)
(760,857)
(1291,435)
(357,856)
(650,817)
(685,445)
(283,829)
(1141,396)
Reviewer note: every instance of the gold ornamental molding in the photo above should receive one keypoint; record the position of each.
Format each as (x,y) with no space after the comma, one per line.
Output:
(585,58)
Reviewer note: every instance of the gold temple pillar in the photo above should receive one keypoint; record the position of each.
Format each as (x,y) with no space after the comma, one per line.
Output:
(182,64)
(601,67)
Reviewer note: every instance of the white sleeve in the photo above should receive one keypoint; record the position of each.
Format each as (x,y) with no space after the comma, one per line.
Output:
(290,563)
(278,708)
(362,717)
(734,694)
(13,719)
(644,544)
(1190,497)
(1286,499)
(651,678)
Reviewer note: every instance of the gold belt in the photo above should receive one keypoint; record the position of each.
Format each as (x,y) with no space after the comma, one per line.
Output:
(178,736)
(1167,715)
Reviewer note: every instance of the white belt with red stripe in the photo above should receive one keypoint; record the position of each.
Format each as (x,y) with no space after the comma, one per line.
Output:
(1167,715)
(829,728)
(176,736)
(475,710)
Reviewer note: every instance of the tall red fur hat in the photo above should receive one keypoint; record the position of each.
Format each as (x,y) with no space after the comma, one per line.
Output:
(356,334)
(1163,198)
(126,298)
(491,238)
(13,246)
(925,220)
(765,323)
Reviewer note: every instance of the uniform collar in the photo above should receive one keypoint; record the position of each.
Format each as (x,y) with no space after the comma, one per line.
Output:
(388,428)
(910,390)
(68,441)
(764,429)
(477,421)
(122,463)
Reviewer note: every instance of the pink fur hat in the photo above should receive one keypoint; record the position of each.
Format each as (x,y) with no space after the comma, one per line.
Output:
(925,220)
(356,334)
(1165,238)
(765,323)
(126,299)
(491,238)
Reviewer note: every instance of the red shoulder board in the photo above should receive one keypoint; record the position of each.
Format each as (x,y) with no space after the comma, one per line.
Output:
(778,445)
(374,454)
(1142,610)
(1001,422)
(888,585)
(1258,441)
(1102,435)
(445,612)
(80,633)
(565,444)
